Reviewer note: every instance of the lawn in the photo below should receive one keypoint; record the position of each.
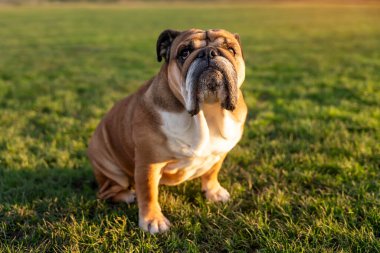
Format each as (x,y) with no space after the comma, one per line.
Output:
(305,176)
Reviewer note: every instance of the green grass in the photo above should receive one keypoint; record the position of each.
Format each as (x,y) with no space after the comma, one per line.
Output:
(305,177)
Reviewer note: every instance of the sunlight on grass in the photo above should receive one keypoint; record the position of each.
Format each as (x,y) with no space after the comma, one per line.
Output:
(305,177)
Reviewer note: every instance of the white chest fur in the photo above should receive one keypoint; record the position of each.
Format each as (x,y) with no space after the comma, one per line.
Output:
(199,141)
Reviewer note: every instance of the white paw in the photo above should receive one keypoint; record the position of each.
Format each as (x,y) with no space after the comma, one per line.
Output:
(218,195)
(154,223)
(126,196)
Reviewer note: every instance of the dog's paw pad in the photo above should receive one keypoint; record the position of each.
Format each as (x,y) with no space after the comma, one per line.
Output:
(218,195)
(156,223)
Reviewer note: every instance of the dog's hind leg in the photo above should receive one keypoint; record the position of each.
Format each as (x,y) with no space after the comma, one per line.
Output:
(127,196)
(114,187)
(117,193)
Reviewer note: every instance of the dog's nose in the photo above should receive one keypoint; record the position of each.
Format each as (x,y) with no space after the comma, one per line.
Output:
(212,53)
(209,52)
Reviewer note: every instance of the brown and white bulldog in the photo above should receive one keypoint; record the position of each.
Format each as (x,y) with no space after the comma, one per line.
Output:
(180,125)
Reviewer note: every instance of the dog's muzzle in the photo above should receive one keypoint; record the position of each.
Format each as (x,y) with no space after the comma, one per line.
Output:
(210,78)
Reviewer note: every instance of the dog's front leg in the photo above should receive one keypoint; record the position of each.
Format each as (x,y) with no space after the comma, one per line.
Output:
(147,179)
(210,185)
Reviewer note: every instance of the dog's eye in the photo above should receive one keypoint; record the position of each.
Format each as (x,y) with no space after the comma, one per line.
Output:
(184,53)
(231,50)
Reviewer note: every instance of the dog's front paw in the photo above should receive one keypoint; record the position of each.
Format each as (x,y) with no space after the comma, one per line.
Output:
(217,195)
(154,222)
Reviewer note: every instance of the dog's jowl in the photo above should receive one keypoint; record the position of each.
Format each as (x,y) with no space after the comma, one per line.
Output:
(180,125)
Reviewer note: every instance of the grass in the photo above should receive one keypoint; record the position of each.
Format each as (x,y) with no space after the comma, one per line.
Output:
(304,178)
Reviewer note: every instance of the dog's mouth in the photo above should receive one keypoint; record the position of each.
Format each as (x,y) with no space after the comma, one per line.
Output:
(211,82)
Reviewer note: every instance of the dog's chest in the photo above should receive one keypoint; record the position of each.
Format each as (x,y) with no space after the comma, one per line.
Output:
(198,142)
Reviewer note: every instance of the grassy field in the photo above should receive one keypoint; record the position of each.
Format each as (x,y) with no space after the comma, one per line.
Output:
(305,177)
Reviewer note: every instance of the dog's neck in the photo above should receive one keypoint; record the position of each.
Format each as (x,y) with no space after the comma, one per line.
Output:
(162,95)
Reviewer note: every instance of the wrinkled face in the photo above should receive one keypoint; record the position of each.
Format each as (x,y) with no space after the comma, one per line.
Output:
(205,67)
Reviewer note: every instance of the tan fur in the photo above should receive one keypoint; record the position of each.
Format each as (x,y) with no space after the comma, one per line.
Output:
(129,148)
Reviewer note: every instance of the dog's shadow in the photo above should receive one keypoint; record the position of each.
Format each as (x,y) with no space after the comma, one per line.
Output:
(50,194)
(21,186)
(37,195)
(32,198)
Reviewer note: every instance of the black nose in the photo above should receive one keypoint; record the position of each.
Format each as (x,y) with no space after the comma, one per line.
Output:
(212,53)
(208,52)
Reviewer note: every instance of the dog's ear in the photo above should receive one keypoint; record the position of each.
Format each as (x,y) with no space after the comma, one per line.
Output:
(164,42)
(237,37)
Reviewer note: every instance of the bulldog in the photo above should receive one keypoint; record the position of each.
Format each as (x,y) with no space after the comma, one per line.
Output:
(179,126)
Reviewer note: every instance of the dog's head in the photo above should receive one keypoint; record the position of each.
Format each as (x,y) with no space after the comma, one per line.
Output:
(203,66)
